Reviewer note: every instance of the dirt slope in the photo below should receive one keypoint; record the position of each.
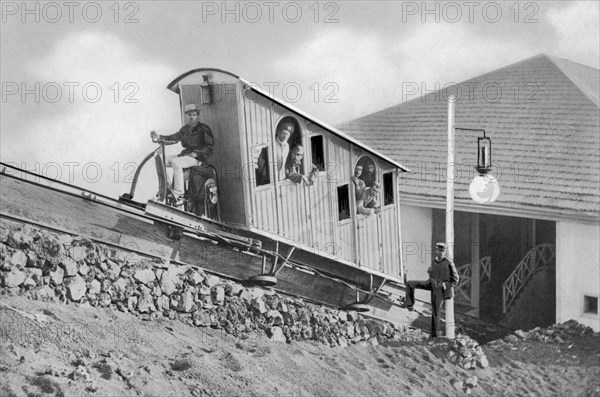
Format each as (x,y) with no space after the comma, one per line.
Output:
(68,350)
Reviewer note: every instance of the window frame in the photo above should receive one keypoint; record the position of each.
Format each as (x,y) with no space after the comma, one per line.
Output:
(270,167)
(394,198)
(344,221)
(583,305)
(358,216)
(323,151)
(300,130)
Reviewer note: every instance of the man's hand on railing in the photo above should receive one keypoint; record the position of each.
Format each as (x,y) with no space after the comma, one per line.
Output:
(158,139)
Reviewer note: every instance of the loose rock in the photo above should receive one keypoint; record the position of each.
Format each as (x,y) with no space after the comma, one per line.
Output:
(19,258)
(76,288)
(145,276)
(13,278)
(277,335)
(70,267)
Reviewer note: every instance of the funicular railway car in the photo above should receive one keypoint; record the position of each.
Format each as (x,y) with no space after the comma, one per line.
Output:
(319,200)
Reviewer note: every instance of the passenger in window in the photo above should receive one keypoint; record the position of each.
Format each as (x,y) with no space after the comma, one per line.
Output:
(282,148)
(369,200)
(359,184)
(293,168)
(369,176)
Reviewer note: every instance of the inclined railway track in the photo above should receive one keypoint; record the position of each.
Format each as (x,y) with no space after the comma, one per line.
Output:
(136,210)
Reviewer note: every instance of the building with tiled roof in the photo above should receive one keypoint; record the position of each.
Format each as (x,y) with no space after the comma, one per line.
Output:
(543,116)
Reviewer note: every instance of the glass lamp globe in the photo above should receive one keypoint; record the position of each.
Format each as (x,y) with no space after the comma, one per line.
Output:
(484,189)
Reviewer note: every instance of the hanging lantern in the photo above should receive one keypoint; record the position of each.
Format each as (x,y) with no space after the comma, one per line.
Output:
(207,90)
(484,155)
(484,188)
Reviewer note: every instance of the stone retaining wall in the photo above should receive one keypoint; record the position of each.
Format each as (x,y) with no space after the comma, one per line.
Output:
(50,266)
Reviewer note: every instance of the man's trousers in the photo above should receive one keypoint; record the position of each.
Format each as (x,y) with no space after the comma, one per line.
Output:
(437,300)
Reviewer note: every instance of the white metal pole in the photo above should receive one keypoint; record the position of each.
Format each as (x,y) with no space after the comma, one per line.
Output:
(450,212)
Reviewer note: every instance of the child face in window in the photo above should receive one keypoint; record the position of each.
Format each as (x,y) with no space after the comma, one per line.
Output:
(358,171)
(297,156)
(371,168)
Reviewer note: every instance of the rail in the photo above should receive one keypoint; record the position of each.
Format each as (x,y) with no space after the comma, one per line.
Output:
(538,257)
(463,288)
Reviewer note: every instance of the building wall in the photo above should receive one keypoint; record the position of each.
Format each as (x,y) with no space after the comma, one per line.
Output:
(416,243)
(577,271)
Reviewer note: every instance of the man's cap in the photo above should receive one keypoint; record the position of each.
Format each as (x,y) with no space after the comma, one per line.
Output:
(191,108)
(440,245)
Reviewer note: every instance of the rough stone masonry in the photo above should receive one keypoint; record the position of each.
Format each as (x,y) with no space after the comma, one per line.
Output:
(50,266)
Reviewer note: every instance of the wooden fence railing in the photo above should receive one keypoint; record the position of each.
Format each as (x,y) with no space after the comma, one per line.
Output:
(538,257)
(463,289)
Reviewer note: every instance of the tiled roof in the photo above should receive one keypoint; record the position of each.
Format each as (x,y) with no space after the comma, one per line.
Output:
(543,117)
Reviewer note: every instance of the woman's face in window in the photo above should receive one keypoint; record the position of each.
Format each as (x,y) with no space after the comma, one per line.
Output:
(371,168)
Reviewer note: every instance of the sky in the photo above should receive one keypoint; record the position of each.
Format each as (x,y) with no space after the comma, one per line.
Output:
(83,83)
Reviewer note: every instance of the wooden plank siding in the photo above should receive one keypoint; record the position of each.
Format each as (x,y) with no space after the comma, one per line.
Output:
(320,197)
(367,230)
(258,134)
(340,171)
(292,198)
(320,215)
(390,240)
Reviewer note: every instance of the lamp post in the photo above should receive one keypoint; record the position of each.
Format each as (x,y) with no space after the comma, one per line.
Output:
(483,189)
(449,303)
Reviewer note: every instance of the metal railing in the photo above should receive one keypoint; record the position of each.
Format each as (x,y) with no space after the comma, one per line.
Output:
(538,257)
(463,289)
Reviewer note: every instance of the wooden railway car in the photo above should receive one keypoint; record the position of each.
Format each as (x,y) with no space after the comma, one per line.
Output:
(324,225)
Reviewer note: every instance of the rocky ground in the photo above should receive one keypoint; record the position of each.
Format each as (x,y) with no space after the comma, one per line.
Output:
(78,318)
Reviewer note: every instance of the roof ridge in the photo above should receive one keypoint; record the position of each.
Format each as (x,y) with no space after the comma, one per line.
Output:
(550,58)
(555,58)
(592,93)
(420,98)
(483,75)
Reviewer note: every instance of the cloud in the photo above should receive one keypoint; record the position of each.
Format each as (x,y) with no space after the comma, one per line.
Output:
(355,63)
(452,53)
(104,126)
(579,29)
(373,71)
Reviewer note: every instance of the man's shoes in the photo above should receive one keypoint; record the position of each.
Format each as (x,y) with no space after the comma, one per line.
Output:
(410,308)
(179,203)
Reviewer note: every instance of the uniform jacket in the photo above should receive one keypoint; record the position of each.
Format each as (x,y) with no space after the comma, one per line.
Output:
(197,139)
(444,271)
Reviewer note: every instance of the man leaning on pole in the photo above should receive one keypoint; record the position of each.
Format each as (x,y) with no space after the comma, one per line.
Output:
(443,277)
